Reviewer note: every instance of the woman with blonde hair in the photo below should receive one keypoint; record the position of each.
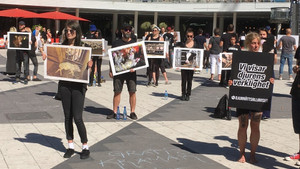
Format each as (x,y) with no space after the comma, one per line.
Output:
(252,43)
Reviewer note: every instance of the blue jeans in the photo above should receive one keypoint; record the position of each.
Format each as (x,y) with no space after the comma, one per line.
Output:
(289,58)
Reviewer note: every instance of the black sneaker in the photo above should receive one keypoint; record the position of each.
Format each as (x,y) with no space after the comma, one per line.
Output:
(183,98)
(36,79)
(69,153)
(133,116)
(25,82)
(99,85)
(85,154)
(187,97)
(111,116)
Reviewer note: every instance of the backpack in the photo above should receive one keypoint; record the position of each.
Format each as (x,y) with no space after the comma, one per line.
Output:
(222,110)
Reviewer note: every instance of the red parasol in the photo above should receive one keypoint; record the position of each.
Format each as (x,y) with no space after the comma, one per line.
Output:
(60,16)
(18,13)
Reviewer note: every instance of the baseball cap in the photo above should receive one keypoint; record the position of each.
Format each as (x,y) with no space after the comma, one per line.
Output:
(268,28)
(126,25)
(169,28)
(93,28)
(21,23)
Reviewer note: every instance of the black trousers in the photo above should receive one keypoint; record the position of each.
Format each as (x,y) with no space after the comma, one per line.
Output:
(96,60)
(72,97)
(186,81)
(22,56)
(225,75)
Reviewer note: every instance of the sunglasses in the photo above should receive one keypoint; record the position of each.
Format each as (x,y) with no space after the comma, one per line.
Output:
(71,31)
(127,30)
(155,30)
(189,36)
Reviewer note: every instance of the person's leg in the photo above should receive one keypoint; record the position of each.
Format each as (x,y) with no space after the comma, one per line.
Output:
(18,65)
(92,70)
(99,64)
(212,66)
(219,66)
(183,84)
(189,82)
(26,66)
(78,97)
(282,62)
(35,65)
(118,87)
(132,101)
(255,134)
(290,65)
(66,99)
(242,135)
(131,87)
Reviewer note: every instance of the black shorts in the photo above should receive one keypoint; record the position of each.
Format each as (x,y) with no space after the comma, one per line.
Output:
(130,79)
(244,111)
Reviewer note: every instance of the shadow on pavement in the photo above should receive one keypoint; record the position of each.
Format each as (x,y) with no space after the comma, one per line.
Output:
(46,94)
(163,94)
(232,153)
(47,141)
(97,110)
(281,95)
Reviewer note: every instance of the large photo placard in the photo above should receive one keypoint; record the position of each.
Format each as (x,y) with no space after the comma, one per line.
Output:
(126,57)
(19,40)
(156,49)
(67,63)
(97,45)
(226,59)
(188,58)
(251,87)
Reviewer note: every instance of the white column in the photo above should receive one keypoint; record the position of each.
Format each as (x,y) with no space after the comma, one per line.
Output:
(214,22)
(136,19)
(114,26)
(57,25)
(155,18)
(77,13)
(177,22)
(234,21)
(221,24)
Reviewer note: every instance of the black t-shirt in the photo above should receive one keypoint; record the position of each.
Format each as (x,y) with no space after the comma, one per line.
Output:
(120,42)
(169,37)
(233,48)
(200,40)
(226,40)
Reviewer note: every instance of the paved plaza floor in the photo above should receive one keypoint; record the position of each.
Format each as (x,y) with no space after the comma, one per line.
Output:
(168,134)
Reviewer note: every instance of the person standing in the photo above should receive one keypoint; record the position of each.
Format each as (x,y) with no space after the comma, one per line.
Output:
(170,39)
(187,75)
(295,92)
(11,57)
(22,56)
(253,43)
(288,44)
(73,96)
(225,43)
(215,50)
(32,56)
(129,77)
(96,59)
(201,40)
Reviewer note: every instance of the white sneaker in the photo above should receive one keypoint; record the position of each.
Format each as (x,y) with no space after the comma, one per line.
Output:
(280,78)
(291,79)
(297,163)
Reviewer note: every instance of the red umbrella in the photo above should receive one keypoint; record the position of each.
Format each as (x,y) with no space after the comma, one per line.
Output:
(60,16)
(18,13)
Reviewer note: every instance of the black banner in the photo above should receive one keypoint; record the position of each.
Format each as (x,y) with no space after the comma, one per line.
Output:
(250,74)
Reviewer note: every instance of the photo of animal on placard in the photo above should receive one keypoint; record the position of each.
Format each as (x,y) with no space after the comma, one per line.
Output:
(97,46)
(156,49)
(124,58)
(226,59)
(67,63)
(19,40)
(188,58)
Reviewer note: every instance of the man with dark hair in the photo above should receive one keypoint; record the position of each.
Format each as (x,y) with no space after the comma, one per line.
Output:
(225,43)
(91,33)
(201,40)
(22,56)
(129,77)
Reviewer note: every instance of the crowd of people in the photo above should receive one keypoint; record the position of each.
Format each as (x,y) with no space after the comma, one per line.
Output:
(72,94)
